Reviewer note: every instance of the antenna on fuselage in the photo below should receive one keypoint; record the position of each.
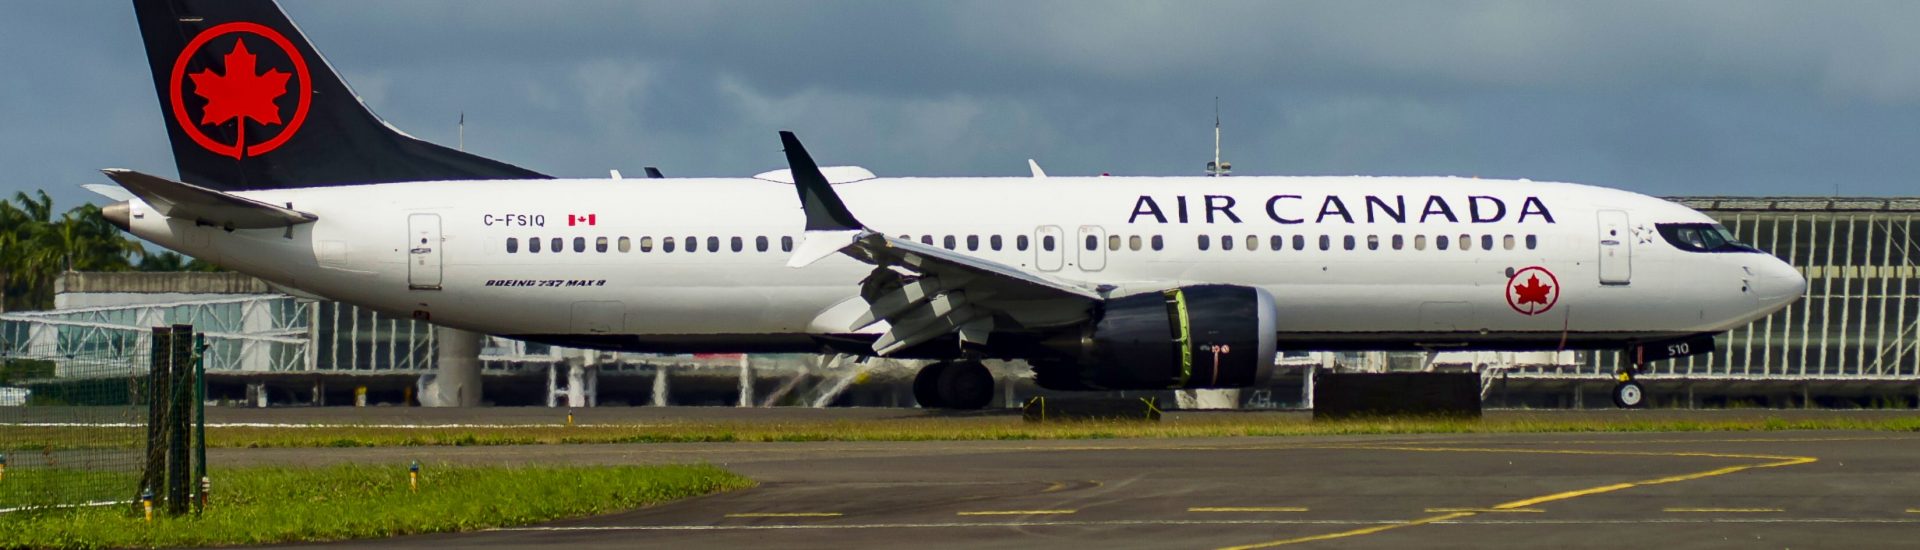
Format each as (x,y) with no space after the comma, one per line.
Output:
(1217,168)
(463,131)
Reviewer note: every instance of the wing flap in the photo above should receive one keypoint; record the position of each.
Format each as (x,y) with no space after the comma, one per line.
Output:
(187,201)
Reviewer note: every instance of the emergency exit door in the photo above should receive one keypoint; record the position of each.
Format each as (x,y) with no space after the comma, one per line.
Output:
(1616,248)
(1049,253)
(423,251)
(1093,247)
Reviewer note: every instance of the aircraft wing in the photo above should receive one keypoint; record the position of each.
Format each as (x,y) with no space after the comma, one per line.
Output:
(187,201)
(923,291)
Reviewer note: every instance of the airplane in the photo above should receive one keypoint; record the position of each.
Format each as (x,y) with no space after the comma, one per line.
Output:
(1099,283)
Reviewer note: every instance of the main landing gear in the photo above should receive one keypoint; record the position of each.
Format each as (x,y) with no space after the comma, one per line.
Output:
(1628,394)
(953,385)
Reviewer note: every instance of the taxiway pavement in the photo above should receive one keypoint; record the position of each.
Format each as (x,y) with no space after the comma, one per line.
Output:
(1817,489)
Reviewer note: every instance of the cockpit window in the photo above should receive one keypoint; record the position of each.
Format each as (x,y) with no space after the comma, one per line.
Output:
(1702,237)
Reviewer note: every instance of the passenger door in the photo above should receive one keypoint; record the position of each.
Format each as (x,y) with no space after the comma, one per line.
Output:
(1616,248)
(423,251)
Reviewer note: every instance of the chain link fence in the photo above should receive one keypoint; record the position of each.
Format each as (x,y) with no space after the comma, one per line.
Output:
(73,427)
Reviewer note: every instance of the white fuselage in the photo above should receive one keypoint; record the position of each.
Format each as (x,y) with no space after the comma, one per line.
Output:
(440,250)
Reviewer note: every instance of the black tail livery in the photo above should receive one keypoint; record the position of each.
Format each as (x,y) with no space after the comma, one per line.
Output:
(249,104)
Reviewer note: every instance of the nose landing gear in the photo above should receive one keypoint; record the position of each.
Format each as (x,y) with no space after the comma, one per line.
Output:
(1627,394)
(963,385)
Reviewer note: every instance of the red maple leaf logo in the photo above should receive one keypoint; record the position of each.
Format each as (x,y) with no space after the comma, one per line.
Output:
(1533,292)
(241,93)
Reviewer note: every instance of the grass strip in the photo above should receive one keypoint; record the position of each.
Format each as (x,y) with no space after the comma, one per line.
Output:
(957,429)
(278,505)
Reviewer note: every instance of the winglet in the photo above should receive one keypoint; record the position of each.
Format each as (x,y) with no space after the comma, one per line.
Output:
(1035,166)
(824,210)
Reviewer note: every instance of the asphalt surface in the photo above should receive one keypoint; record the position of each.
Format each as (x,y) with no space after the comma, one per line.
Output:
(1696,490)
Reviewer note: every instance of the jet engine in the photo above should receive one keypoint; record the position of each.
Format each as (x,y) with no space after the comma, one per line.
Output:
(1207,336)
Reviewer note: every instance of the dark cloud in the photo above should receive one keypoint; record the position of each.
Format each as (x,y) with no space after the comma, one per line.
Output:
(1735,97)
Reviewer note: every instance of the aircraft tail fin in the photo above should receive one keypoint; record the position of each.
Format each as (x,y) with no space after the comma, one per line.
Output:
(250,104)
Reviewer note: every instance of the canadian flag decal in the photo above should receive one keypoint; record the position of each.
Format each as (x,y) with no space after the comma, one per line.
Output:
(577,219)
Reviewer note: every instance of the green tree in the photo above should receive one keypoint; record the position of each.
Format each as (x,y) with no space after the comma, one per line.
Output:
(35,247)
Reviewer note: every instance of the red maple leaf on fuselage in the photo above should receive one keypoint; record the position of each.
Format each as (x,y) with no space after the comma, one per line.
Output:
(240,94)
(1533,292)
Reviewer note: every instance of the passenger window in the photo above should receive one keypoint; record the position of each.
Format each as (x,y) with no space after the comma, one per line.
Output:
(1226,242)
(1440,242)
(513,245)
(1133,243)
(692,244)
(926,240)
(1347,242)
(1299,242)
(760,243)
(579,244)
(1466,242)
(948,242)
(1047,243)
(1373,242)
(1020,242)
(1326,242)
(993,241)
(557,243)
(533,245)
(599,244)
(1253,242)
(646,244)
(1113,242)
(973,242)
(1157,243)
(1277,243)
(738,244)
(713,244)
(1507,242)
(1486,242)
(1093,243)
(1399,242)
(666,244)
(1203,242)
(1531,241)
(626,245)
(786,244)
(1419,242)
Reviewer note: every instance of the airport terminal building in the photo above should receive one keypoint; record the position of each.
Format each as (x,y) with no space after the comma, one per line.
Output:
(1850,342)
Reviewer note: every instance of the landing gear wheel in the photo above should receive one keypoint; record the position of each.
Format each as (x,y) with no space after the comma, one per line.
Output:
(926,386)
(966,385)
(1628,395)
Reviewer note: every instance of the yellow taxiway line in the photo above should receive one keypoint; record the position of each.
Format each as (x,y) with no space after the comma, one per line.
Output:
(1017,513)
(1772,462)
(1721,510)
(1250,509)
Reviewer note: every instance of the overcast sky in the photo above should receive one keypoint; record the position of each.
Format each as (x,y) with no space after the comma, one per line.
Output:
(1673,98)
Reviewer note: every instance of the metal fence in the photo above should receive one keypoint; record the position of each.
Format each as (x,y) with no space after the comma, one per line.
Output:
(73,427)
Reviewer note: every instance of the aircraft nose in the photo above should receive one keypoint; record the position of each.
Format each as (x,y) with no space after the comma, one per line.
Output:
(1778,283)
(119,215)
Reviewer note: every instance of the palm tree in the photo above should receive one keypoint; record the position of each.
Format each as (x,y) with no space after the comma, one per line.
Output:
(35,248)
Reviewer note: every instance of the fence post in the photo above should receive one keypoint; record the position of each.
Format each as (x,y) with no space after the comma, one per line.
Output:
(157,369)
(179,422)
(200,418)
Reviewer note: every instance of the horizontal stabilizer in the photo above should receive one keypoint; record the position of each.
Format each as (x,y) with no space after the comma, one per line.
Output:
(187,201)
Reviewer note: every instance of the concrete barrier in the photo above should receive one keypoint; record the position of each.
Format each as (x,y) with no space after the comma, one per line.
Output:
(1337,396)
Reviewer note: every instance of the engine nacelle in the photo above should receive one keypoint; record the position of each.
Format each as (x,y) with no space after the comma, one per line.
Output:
(1208,336)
